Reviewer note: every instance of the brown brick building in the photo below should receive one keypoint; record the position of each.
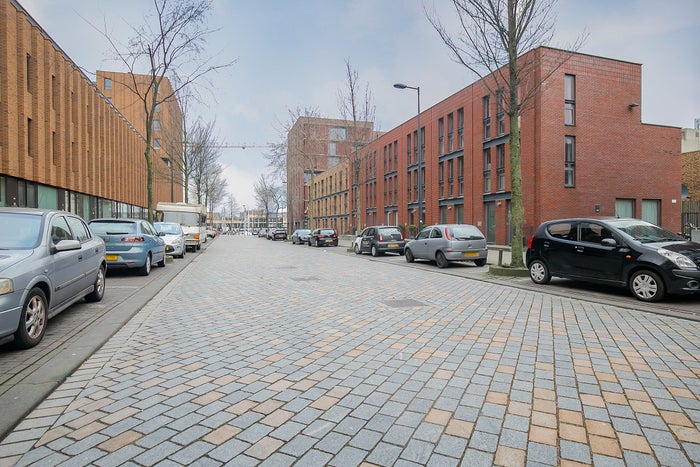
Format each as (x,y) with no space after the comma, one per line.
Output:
(584,152)
(63,144)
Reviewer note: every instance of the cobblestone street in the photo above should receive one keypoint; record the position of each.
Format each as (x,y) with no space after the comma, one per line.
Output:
(267,353)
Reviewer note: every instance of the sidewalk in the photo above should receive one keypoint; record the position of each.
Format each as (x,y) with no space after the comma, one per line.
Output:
(266,353)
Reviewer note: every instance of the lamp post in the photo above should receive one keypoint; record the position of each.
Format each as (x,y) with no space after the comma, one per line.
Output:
(245,231)
(419,149)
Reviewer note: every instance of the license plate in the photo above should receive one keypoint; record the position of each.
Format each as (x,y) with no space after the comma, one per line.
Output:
(393,245)
(329,240)
(111,257)
(470,254)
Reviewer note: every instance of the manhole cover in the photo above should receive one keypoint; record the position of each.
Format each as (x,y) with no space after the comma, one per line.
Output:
(407,303)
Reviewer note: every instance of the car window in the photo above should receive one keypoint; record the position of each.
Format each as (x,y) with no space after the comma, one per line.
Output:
(147,229)
(592,232)
(563,230)
(390,231)
(425,233)
(113,228)
(19,231)
(60,230)
(465,232)
(327,231)
(436,233)
(80,230)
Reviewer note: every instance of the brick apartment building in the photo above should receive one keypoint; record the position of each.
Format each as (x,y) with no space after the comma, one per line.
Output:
(63,144)
(314,146)
(584,152)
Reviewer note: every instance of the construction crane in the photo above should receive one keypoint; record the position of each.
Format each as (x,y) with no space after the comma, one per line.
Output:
(230,146)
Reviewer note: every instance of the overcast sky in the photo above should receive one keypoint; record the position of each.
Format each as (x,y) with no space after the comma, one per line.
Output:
(292,53)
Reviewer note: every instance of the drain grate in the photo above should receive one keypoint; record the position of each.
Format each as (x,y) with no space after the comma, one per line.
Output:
(406,303)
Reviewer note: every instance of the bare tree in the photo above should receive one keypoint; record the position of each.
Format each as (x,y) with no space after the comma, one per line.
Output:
(203,168)
(170,43)
(356,105)
(492,37)
(267,196)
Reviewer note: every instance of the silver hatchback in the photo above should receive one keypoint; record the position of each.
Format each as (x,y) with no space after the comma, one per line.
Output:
(444,243)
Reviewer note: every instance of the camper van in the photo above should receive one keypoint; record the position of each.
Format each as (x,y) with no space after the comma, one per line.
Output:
(192,218)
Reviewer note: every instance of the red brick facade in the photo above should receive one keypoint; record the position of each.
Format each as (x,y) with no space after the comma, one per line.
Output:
(619,165)
(62,143)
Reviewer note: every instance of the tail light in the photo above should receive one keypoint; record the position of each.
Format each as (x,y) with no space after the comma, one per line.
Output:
(133,239)
(447,234)
(379,237)
(529,243)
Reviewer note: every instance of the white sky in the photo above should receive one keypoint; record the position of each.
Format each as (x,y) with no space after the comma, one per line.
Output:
(291,53)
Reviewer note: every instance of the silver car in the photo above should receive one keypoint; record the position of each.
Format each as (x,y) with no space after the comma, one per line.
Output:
(50,260)
(444,243)
(174,238)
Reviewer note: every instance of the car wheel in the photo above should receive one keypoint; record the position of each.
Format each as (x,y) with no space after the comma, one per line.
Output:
(316,243)
(647,286)
(357,249)
(146,268)
(98,287)
(161,263)
(309,241)
(409,256)
(441,260)
(184,250)
(375,251)
(480,262)
(539,272)
(32,321)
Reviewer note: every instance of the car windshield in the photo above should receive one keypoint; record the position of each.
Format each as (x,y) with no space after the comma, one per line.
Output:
(390,231)
(113,228)
(465,232)
(303,232)
(644,232)
(19,231)
(172,229)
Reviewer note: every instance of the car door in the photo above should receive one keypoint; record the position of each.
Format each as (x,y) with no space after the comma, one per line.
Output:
(435,242)
(558,247)
(367,237)
(92,249)
(592,259)
(155,243)
(67,272)
(419,246)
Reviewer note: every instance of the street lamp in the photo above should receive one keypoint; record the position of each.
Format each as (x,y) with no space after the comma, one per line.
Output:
(420,156)
(245,231)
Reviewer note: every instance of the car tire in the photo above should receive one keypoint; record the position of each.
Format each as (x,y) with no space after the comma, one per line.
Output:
(375,251)
(316,244)
(480,262)
(440,260)
(98,287)
(161,263)
(647,286)
(146,268)
(357,249)
(32,320)
(409,256)
(539,272)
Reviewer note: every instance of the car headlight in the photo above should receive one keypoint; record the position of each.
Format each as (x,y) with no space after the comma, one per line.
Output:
(678,259)
(6,286)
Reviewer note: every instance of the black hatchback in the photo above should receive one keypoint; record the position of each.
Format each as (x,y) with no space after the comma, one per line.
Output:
(647,259)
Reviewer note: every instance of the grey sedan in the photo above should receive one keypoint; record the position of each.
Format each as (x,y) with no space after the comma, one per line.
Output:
(444,243)
(50,260)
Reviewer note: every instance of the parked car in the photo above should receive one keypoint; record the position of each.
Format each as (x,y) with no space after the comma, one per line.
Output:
(632,253)
(278,234)
(262,233)
(445,243)
(300,236)
(323,237)
(380,239)
(130,243)
(50,260)
(174,238)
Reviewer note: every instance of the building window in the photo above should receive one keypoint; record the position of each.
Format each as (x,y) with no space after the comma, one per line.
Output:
(156,125)
(651,211)
(460,174)
(569,100)
(441,136)
(450,133)
(460,129)
(28,71)
(441,180)
(333,161)
(487,170)
(30,131)
(156,143)
(569,161)
(450,177)
(500,114)
(337,134)
(624,207)
(332,148)
(108,84)
(501,167)
(487,117)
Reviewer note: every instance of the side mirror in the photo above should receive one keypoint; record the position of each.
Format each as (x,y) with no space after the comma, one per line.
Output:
(608,242)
